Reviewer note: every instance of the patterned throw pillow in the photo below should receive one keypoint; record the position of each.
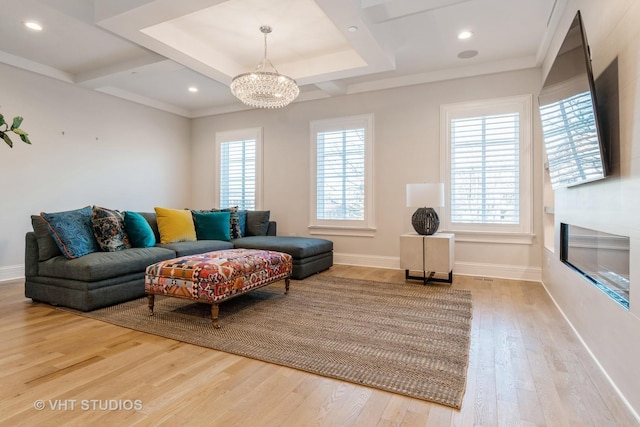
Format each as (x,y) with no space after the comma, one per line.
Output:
(139,231)
(72,231)
(108,229)
(175,225)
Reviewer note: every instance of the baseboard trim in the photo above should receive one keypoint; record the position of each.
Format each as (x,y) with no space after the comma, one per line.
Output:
(514,272)
(11,272)
(367,260)
(593,356)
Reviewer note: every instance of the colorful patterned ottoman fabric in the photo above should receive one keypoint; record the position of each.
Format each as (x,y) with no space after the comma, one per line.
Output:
(216,276)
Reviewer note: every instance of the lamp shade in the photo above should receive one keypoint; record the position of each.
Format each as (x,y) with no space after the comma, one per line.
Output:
(425,195)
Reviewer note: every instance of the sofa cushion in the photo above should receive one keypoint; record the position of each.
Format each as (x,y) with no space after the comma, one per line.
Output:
(47,246)
(212,225)
(139,231)
(257,223)
(175,225)
(103,265)
(199,247)
(72,231)
(297,247)
(108,229)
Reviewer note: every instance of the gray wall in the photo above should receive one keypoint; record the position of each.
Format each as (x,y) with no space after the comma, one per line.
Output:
(88,149)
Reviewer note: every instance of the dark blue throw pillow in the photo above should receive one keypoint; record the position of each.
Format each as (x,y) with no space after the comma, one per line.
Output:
(72,231)
(139,231)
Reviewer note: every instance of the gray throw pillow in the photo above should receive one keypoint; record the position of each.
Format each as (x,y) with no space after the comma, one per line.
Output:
(257,223)
(47,247)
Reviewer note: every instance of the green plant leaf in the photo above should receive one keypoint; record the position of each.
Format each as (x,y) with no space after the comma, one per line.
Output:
(17,121)
(25,138)
(2,122)
(7,139)
(18,131)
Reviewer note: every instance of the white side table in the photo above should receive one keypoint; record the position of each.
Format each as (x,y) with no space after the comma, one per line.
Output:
(432,254)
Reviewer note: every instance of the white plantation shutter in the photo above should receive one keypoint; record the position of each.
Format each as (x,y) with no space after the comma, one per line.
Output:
(238,174)
(340,174)
(238,169)
(485,169)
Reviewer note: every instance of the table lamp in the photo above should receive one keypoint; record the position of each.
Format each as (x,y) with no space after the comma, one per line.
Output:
(425,197)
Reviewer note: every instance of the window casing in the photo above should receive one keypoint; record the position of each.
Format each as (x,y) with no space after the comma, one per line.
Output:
(486,168)
(341,176)
(239,168)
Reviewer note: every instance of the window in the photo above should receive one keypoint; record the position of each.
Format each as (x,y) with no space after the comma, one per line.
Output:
(486,162)
(341,152)
(239,166)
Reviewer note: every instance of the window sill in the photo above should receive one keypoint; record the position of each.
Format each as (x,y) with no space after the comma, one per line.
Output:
(330,230)
(492,237)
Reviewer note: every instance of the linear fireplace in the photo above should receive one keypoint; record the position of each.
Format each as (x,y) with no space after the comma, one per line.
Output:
(600,257)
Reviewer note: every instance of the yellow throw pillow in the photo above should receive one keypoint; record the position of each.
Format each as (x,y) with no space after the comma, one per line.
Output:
(175,225)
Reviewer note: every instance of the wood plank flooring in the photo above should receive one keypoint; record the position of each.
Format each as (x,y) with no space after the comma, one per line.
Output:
(526,368)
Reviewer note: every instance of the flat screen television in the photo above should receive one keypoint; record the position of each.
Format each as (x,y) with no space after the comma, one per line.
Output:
(575,151)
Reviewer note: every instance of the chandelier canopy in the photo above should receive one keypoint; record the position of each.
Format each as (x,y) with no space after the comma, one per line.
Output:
(262,88)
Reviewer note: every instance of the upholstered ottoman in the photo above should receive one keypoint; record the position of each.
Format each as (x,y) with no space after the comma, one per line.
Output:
(214,277)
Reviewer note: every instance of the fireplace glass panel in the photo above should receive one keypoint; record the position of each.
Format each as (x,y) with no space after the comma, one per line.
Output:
(602,258)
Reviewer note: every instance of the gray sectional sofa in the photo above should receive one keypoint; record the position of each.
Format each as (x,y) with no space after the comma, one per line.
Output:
(101,279)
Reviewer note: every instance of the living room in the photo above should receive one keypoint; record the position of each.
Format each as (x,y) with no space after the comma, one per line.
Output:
(92,148)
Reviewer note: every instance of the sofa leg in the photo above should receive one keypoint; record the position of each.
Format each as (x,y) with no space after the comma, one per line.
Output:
(214,316)
(286,285)
(151,299)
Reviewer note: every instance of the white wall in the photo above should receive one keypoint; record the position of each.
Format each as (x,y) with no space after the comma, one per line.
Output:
(88,148)
(407,150)
(610,332)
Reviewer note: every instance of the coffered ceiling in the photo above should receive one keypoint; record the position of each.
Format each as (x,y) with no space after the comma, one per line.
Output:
(152,51)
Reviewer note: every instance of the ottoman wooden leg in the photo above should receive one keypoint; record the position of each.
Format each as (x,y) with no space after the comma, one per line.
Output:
(286,285)
(214,315)
(151,299)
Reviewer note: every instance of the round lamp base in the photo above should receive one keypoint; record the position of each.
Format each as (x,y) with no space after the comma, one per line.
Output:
(425,221)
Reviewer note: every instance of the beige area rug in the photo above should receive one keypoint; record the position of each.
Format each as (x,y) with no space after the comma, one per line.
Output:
(404,338)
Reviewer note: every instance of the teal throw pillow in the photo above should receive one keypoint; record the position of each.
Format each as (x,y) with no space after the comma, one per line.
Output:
(72,231)
(234,222)
(242,222)
(139,231)
(212,225)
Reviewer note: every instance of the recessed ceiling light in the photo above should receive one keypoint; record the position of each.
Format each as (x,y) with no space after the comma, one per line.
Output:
(352,29)
(193,89)
(465,35)
(32,25)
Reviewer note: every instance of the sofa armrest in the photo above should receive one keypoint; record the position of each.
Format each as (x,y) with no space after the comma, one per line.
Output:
(31,254)
(273,227)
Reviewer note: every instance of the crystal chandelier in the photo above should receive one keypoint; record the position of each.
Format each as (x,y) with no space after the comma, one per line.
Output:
(264,89)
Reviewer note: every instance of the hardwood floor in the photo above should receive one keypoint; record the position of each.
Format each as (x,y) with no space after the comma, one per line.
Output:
(526,368)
